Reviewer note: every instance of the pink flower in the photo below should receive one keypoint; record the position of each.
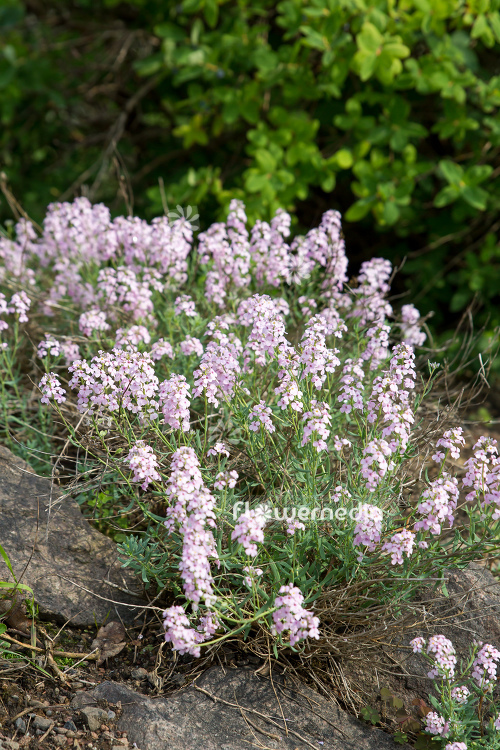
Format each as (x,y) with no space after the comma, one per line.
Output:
(293,526)
(249,530)
(143,462)
(436,724)
(417,644)
(400,543)
(262,416)
(452,440)
(184,304)
(219,449)
(226,479)
(161,348)
(368,526)
(292,617)
(93,320)
(317,424)
(133,336)
(51,388)
(49,345)
(484,668)
(20,303)
(252,574)
(460,694)
(192,511)
(173,397)
(191,345)
(179,632)
(410,330)
(443,655)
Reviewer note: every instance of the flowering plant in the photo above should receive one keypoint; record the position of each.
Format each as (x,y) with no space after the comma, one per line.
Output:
(465,715)
(266,425)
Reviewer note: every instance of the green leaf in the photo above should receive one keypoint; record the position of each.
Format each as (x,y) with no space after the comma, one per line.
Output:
(475,197)
(369,39)
(359,209)
(211,12)
(344,158)
(451,171)
(446,196)
(255,181)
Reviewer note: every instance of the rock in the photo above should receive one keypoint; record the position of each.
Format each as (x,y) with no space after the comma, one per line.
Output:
(60,740)
(70,559)
(20,725)
(9,745)
(80,700)
(40,722)
(192,719)
(94,717)
(111,715)
(139,674)
(70,726)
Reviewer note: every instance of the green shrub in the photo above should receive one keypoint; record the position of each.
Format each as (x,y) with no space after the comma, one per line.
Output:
(385,110)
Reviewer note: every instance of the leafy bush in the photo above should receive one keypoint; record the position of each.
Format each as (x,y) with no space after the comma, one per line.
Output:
(268,426)
(386,110)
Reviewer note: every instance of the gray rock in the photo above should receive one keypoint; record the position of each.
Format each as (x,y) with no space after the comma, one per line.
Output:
(9,745)
(60,740)
(40,722)
(70,561)
(20,725)
(139,674)
(70,726)
(94,717)
(192,719)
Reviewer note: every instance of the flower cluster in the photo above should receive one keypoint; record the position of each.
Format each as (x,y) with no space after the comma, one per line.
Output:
(400,543)
(226,479)
(436,724)
(292,617)
(483,474)
(368,527)
(261,415)
(191,512)
(443,654)
(49,345)
(93,320)
(438,504)
(249,530)
(173,397)
(411,332)
(452,440)
(51,388)
(317,423)
(484,668)
(114,380)
(184,304)
(217,372)
(374,465)
(143,463)
(191,345)
(460,694)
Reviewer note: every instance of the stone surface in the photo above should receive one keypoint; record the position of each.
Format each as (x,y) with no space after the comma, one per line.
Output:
(192,719)
(94,716)
(67,560)
(39,722)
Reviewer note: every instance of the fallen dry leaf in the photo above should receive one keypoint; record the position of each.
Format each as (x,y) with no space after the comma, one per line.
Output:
(13,612)
(110,640)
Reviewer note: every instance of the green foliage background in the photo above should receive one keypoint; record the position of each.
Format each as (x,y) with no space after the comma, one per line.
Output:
(384,109)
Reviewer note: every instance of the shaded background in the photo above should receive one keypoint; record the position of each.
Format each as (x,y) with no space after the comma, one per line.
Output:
(386,111)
